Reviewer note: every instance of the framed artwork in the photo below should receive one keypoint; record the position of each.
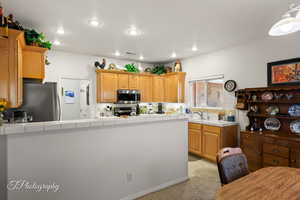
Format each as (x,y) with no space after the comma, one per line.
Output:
(286,72)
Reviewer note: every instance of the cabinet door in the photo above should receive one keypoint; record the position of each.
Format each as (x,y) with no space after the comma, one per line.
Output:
(4,63)
(20,74)
(107,85)
(252,148)
(133,82)
(158,89)
(123,81)
(211,145)
(171,89)
(295,158)
(145,87)
(195,141)
(34,62)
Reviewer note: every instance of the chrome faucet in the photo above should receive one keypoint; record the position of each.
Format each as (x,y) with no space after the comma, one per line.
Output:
(200,113)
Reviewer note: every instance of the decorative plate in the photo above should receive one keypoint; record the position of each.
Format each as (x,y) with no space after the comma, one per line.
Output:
(294,110)
(230,85)
(267,96)
(295,127)
(272,110)
(272,124)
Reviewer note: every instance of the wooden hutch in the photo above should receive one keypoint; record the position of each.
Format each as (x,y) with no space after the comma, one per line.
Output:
(264,147)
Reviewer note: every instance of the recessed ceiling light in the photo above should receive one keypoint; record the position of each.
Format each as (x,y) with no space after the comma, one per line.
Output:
(133,31)
(60,31)
(141,57)
(56,43)
(195,48)
(117,53)
(173,55)
(95,23)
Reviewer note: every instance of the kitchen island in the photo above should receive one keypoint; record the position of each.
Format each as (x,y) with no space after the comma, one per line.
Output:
(96,159)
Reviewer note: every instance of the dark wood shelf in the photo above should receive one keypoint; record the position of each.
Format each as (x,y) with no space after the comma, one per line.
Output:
(273,116)
(276,134)
(273,102)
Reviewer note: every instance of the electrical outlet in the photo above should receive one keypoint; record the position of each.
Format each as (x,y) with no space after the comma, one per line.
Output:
(129,177)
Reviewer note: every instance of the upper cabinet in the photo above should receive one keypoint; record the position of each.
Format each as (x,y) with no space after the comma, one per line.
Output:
(107,85)
(133,82)
(34,62)
(11,82)
(123,81)
(145,87)
(174,87)
(158,89)
(18,61)
(153,88)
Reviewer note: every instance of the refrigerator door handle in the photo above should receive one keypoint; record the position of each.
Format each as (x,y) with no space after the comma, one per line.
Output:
(59,107)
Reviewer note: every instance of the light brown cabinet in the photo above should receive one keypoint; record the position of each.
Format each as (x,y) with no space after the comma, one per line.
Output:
(107,85)
(133,82)
(211,146)
(158,89)
(206,141)
(153,88)
(34,62)
(145,87)
(174,87)
(11,82)
(123,81)
(195,138)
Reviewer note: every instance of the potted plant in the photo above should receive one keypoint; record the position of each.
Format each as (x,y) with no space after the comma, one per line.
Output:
(159,69)
(131,68)
(33,38)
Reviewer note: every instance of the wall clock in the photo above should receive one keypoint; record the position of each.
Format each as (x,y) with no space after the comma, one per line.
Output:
(230,85)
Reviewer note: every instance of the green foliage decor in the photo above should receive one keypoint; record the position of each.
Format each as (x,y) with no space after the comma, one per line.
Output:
(32,37)
(159,69)
(131,68)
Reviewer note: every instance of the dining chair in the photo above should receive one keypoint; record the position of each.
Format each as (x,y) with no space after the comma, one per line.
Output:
(232,164)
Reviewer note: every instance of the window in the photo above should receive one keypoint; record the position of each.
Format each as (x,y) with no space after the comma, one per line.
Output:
(207,92)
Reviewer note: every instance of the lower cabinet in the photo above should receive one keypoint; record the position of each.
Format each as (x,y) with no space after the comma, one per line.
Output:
(206,140)
(195,138)
(269,150)
(211,146)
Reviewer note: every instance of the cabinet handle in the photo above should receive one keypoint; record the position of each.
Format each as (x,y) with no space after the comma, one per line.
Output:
(293,161)
(276,162)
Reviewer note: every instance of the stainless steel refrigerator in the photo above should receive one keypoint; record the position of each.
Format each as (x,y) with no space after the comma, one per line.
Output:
(41,101)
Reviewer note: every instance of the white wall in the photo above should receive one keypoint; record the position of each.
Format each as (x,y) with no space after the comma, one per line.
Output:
(101,163)
(246,64)
(78,66)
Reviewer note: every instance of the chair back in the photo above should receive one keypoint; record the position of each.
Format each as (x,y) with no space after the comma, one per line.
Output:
(232,164)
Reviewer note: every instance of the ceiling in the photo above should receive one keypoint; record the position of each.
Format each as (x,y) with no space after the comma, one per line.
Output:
(167,25)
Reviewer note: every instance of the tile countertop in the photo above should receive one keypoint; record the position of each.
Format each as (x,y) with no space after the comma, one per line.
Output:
(214,123)
(8,129)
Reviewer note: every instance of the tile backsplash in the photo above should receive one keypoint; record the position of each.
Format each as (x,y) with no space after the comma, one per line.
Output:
(169,108)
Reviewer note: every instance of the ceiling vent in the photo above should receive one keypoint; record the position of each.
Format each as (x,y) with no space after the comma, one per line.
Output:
(130,53)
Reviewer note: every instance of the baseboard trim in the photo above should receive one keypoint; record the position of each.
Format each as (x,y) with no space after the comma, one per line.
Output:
(155,189)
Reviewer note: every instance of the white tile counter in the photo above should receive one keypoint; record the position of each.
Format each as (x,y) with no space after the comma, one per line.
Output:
(214,123)
(8,129)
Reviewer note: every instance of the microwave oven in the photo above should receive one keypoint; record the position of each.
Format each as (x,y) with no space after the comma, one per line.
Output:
(128,96)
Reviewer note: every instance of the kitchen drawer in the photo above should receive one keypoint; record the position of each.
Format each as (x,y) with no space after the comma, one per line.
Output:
(213,129)
(271,160)
(276,150)
(195,126)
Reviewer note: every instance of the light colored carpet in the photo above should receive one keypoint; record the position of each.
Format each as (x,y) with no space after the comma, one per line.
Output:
(202,185)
